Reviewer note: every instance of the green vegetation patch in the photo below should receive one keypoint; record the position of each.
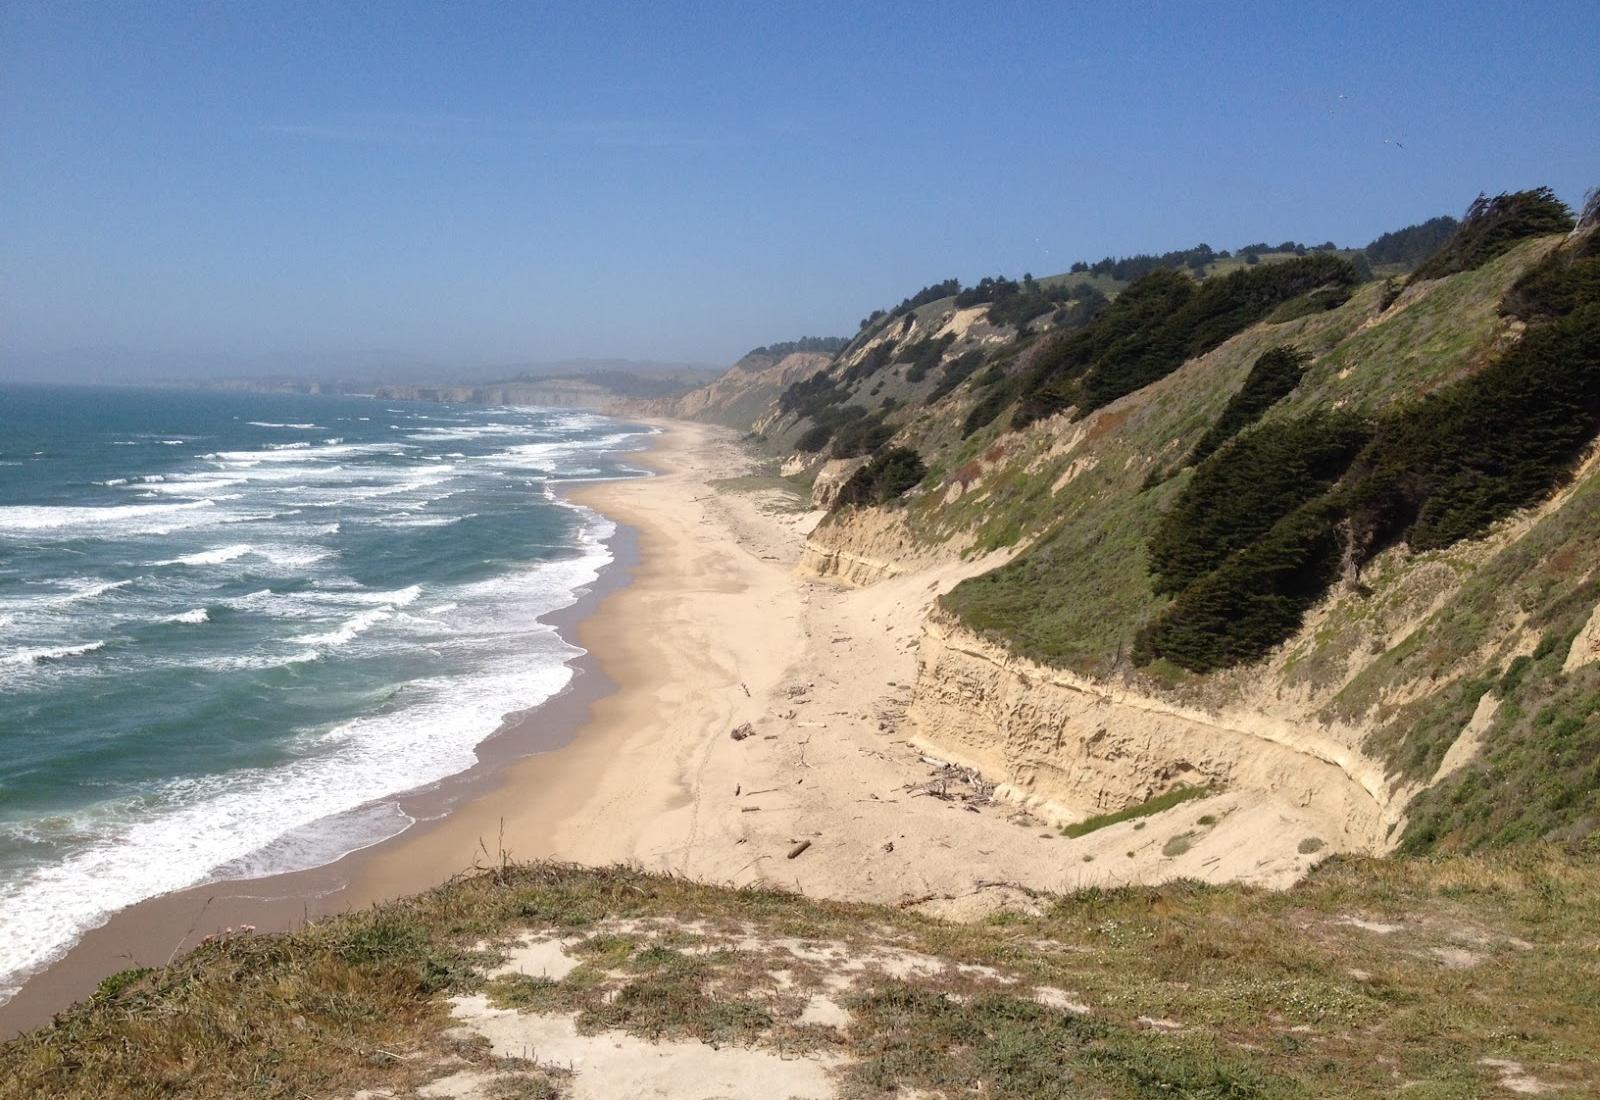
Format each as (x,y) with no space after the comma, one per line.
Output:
(1471,454)
(955,372)
(924,355)
(1175,797)
(1273,377)
(887,477)
(1245,568)
(1159,322)
(1538,774)
(1236,496)
(1254,600)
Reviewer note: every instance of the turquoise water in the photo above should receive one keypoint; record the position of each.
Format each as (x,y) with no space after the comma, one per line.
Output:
(230,624)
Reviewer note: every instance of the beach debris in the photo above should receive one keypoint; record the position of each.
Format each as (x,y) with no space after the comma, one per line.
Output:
(888,846)
(746,689)
(794,853)
(742,731)
(953,783)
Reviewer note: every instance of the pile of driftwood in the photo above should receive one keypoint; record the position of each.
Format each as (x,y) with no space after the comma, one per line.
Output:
(953,783)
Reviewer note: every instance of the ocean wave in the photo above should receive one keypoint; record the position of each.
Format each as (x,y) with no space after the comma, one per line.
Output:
(198,615)
(42,654)
(294,557)
(133,517)
(523,452)
(296,427)
(404,519)
(351,629)
(88,590)
(399,597)
(211,557)
(305,454)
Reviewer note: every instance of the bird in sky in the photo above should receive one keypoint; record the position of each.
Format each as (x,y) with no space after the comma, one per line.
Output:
(1392,141)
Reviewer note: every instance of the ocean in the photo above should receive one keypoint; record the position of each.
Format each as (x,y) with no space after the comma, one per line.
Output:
(232,624)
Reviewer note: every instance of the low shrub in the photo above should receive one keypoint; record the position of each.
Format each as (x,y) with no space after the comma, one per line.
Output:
(887,477)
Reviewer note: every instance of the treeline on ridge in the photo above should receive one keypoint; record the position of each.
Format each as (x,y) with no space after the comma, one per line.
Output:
(821,345)
(1153,326)
(1493,225)
(1413,244)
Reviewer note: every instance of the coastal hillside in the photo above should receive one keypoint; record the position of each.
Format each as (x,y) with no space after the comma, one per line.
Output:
(1312,522)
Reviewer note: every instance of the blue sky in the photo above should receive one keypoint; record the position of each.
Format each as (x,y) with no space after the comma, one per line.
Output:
(479,183)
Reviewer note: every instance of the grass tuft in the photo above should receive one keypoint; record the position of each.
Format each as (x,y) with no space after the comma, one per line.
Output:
(1149,806)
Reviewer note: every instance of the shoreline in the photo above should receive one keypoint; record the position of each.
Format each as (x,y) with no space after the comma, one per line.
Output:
(158,929)
(706,622)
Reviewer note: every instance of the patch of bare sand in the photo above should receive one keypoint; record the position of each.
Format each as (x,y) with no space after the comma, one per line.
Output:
(614,1064)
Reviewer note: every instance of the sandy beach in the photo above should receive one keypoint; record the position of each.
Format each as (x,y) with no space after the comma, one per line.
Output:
(715,630)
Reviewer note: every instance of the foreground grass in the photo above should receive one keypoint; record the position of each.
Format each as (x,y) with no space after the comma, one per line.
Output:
(1371,978)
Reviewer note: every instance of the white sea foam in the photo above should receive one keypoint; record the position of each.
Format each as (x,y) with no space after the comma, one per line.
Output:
(347,631)
(129,518)
(211,557)
(198,615)
(297,427)
(41,654)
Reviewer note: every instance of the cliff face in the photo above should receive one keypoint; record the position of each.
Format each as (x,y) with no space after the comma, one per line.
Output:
(740,397)
(1072,746)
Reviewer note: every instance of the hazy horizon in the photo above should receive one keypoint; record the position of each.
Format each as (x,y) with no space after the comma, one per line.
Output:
(458,189)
